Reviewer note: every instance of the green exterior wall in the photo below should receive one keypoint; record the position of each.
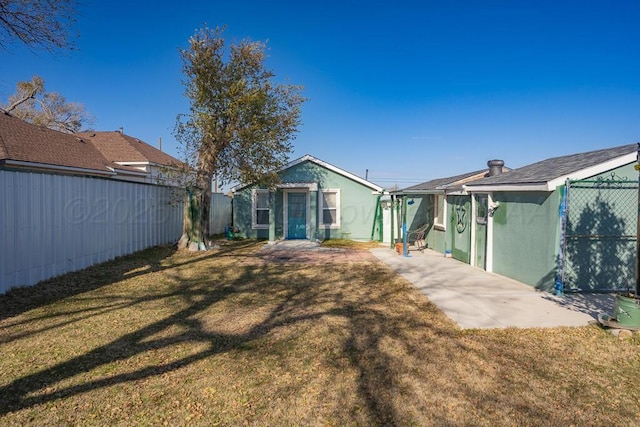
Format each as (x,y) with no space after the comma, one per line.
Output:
(526,233)
(419,212)
(626,172)
(525,237)
(438,238)
(357,205)
(422,212)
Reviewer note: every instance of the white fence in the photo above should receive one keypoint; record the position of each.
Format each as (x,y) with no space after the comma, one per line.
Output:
(53,224)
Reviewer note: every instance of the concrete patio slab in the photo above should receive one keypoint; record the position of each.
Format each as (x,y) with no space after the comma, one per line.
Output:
(307,251)
(476,299)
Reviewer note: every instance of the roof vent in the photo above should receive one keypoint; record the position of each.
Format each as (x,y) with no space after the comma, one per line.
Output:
(495,167)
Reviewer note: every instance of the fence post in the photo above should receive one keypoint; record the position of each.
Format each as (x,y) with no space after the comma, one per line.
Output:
(637,275)
(559,285)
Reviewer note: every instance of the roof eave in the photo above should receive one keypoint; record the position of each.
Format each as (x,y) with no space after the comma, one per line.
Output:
(310,158)
(554,183)
(527,186)
(119,171)
(50,167)
(594,170)
(414,192)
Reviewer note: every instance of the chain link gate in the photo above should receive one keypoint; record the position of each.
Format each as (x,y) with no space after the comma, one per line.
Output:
(600,233)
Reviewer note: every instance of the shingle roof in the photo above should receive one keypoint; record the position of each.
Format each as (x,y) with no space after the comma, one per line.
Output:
(24,142)
(441,183)
(556,167)
(118,147)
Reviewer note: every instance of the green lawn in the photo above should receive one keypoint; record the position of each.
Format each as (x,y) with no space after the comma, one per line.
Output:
(223,338)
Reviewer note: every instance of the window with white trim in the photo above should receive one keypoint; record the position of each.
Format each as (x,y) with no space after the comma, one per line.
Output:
(330,208)
(439,210)
(260,217)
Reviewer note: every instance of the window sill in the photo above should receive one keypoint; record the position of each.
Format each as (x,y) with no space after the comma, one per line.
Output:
(439,227)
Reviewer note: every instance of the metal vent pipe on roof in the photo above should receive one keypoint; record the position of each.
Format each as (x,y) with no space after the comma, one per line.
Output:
(495,167)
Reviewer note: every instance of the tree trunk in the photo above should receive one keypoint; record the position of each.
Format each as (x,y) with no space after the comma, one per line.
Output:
(196,215)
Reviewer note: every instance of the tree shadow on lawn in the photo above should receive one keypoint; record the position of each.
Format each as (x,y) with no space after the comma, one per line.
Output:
(290,299)
(396,357)
(23,299)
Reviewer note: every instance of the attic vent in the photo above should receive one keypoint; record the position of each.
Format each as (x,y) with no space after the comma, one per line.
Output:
(495,167)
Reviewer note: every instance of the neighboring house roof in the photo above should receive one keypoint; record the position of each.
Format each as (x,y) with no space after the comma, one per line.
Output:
(548,174)
(26,145)
(124,149)
(309,158)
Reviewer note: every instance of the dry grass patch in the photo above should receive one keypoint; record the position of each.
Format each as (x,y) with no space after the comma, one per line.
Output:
(223,338)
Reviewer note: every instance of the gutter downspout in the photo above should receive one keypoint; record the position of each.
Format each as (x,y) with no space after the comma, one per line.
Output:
(637,166)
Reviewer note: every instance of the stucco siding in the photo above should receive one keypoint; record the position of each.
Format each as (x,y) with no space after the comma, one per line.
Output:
(419,212)
(242,215)
(436,240)
(525,237)
(626,173)
(356,213)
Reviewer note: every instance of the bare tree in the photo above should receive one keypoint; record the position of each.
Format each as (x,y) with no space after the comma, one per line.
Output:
(34,104)
(41,24)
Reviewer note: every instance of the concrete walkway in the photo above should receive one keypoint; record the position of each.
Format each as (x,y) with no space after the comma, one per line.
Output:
(474,298)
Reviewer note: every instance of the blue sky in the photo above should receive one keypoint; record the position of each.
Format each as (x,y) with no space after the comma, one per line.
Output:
(409,91)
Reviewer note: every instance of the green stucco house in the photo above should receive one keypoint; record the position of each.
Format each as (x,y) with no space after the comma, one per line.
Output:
(567,223)
(314,200)
(442,205)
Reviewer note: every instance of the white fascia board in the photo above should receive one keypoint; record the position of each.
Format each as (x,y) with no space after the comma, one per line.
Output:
(46,166)
(594,170)
(138,165)
(128,172)
(551,185)
(416,192)
(311,186)
(462,192)
(132,163)
(539,186)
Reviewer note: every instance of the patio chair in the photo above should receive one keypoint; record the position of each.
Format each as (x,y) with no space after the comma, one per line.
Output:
(416,237)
